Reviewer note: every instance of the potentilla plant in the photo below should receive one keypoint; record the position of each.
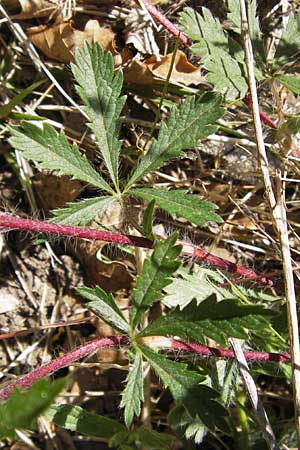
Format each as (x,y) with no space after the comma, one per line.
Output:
(210,312)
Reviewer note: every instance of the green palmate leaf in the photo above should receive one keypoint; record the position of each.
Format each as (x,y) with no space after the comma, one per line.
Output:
(193,120)
(225,74)
(292,82)
(75,418)
(188,287)
(23,407)
(289,44)
(216,320)
(104,306)
(221,57)
(199,400)
(155,276)
(205,29)
(83,212)
(53,152)
(100,88)
(179,203)
(133,393)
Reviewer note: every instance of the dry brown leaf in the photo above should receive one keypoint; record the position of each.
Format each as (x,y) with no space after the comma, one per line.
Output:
(60,40)
(183,71)
(154,71)
(53,191)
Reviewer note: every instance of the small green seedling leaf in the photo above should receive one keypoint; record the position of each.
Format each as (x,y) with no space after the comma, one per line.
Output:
(180,203)
(155,276)
(75,418)
(6,110)
(104,306)
(216,320)
(148,220)
(133,393)
(24,407)
(83,212)
(193,120)
(52,151)
(100,90)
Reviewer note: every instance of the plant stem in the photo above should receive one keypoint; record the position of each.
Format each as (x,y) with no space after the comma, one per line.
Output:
(165,22)
(10,222)
(161,343)
(63,361)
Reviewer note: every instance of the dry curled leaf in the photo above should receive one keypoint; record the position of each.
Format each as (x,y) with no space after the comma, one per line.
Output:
(60,40)
(154,71)
(139,32)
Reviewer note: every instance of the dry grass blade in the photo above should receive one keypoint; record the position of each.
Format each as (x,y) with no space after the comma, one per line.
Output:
(279,219)
(252,391)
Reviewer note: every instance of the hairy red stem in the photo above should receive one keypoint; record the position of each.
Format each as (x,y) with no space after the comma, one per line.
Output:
(10,222)
(122,341)
(63,361)
(166,23)
(204,350)
(13,222)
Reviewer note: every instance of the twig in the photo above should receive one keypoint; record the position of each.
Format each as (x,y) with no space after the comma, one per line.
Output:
(278,214)
(160,343)
(11,222)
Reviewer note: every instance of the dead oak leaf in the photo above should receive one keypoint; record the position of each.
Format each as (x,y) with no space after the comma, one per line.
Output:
(60,40)
(152,71)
